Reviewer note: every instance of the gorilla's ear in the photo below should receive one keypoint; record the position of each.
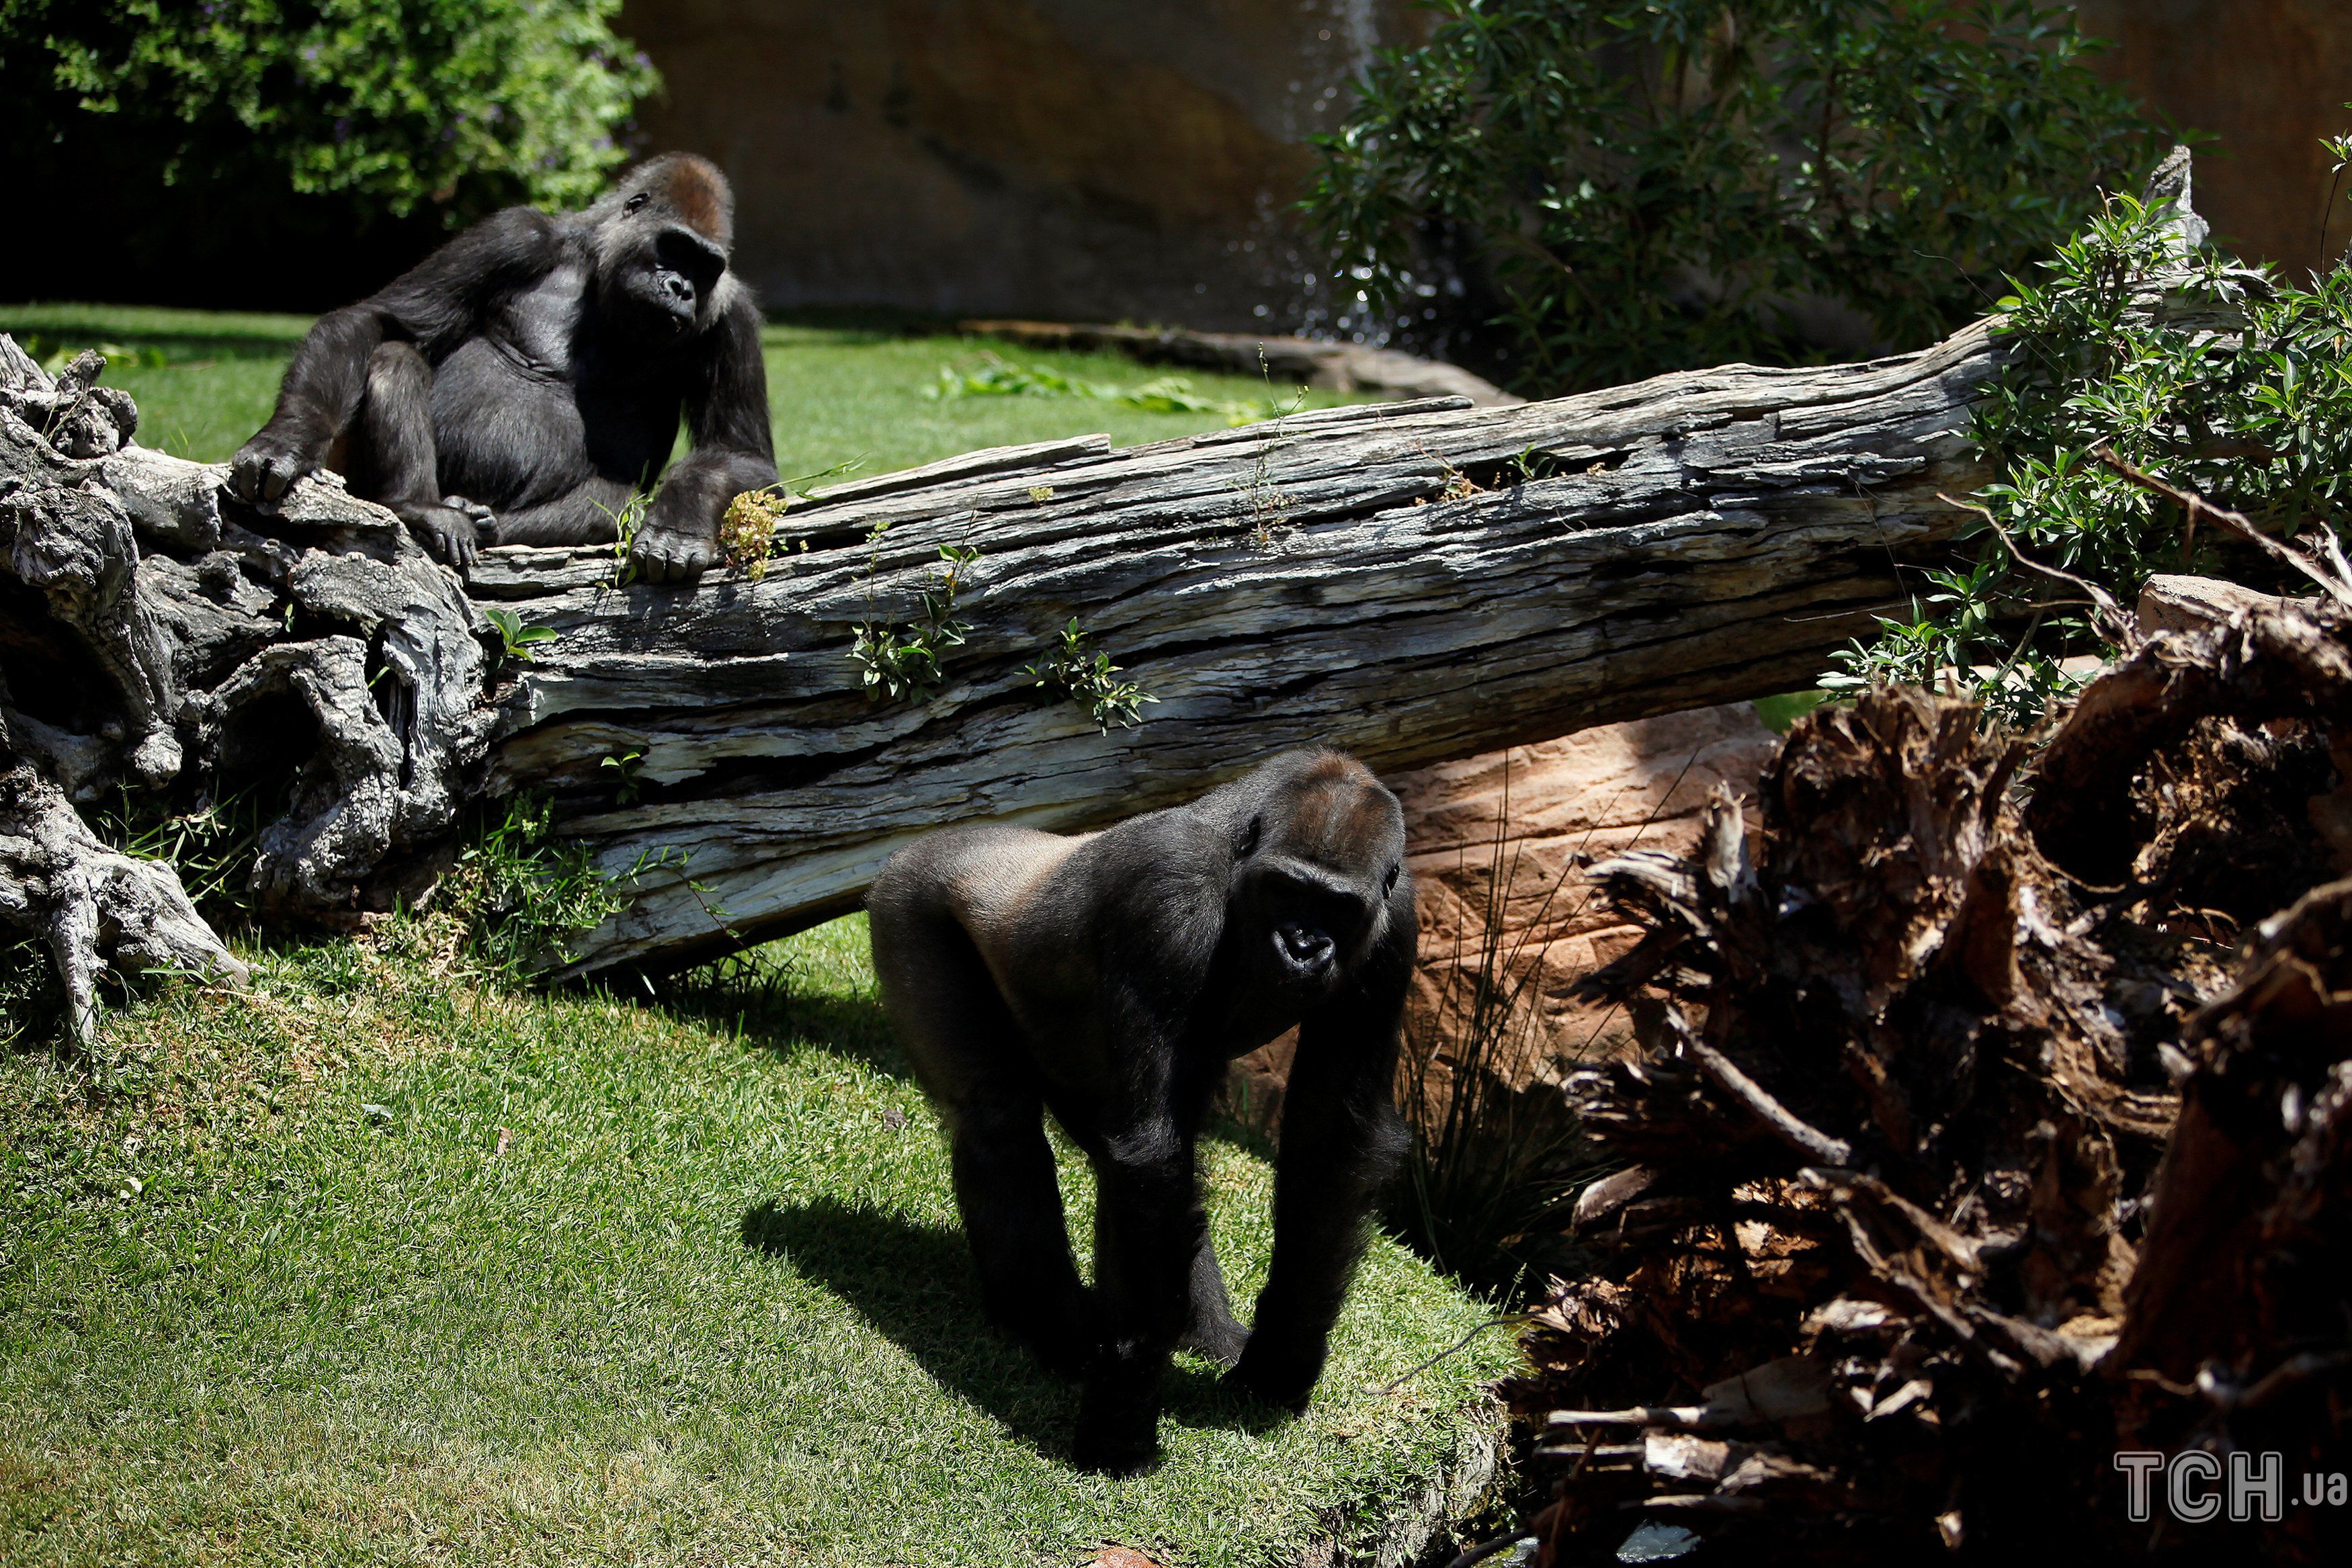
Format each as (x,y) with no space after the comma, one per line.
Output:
(698,194)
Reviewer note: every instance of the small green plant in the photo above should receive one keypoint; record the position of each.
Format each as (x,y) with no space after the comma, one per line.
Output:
(1648,185)
(900,661)
(519,891)
(1089,680)
(518,640)
(212,846)
(1265,504)
(2256,420)
(624,768)
(625,524)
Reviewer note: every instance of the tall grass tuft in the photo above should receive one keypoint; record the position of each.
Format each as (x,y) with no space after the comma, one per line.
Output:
(1492,1169)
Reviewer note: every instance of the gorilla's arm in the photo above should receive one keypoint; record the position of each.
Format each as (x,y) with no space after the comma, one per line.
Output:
(734,448)
(1341,1136)
(433,305)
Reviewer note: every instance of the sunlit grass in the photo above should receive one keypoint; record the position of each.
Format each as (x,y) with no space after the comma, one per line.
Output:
(835,394)
(373,1263)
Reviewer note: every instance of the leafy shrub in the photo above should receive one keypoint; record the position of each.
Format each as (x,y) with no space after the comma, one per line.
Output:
(469,105)
(1652,186)
(2256,418)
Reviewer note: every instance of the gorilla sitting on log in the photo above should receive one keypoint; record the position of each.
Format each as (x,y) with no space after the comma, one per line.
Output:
(519,384)
(1109,977)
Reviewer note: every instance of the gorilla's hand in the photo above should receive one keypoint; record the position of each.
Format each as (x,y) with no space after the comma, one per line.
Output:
(449,534)
(666,551)
(265,466)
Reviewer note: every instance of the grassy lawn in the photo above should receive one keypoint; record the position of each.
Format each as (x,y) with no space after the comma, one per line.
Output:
(204,380)
(378,1264)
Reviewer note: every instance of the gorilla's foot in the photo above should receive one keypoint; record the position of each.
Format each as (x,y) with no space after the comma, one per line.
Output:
(1280,1377)
(486,522)
(1072,1354)
(1119,1432)
(447,534)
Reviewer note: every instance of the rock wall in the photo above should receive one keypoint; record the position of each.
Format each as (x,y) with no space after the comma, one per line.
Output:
(2269,77)
(1107,159)
(1071,159)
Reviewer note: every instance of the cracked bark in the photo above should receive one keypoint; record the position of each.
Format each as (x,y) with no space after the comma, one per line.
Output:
(1409,582)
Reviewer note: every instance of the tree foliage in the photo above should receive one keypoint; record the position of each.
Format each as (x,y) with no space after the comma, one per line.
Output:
(2257,420)
(463,106)
(1651,185)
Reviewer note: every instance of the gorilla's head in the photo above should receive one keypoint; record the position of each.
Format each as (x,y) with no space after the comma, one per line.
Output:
(1319,861)
(662,238)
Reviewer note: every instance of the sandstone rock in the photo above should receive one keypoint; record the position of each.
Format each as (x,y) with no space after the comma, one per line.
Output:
(1495,840)
(1494,843)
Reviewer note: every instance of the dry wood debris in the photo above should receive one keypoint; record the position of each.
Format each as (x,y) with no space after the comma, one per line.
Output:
(1992,1114)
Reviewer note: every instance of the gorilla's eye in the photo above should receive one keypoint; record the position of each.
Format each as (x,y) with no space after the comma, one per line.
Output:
(1242,849)
(634,202)
(1390,884)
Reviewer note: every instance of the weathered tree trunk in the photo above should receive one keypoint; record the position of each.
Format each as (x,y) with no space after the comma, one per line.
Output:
(1388,579)
(1413,582)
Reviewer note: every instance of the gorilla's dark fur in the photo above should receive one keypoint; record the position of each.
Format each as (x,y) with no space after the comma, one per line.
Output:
(519,383)
(1109,977)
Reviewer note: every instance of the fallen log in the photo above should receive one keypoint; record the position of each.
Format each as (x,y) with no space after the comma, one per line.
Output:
(1413,581)
(1309,362)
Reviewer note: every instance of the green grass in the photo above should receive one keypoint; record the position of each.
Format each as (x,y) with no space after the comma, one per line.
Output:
(375,1263)
(272,1291)
(204,380)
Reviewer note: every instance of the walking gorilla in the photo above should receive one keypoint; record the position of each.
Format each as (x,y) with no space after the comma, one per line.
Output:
(1109,977)
(517,385)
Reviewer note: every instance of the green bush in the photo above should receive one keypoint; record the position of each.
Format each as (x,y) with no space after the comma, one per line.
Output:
(2256,418)
(1649,185)
(462,105)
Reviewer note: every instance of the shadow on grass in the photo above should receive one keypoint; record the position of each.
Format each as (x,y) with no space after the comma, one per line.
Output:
(766,1010)
(914,1283)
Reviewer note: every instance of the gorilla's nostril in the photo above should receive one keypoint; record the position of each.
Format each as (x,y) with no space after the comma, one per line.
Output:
(1303,945)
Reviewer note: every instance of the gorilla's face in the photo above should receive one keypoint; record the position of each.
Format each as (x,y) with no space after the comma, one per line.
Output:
(1315,865)
(661,247)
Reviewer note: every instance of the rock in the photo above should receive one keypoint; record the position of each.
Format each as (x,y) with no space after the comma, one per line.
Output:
(2173,603)
(1505,832)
